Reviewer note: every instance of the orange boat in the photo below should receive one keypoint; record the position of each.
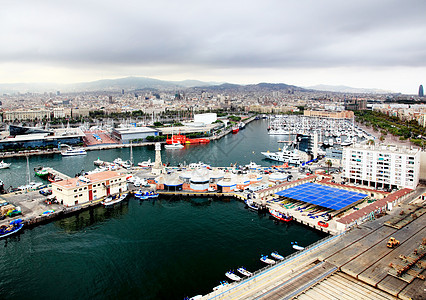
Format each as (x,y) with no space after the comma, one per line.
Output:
(184,140)
(235,129)
(179,138)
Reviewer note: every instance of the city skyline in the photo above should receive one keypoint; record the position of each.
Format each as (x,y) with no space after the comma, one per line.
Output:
(362,44)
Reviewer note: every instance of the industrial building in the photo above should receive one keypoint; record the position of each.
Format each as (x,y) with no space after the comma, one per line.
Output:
(127,134)
(381,166)
(83,189)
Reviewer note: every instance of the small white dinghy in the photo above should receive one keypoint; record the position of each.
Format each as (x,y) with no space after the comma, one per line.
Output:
(231,275)
(277,256)
(221,285)
(297,247)
(244,272)
(266,260)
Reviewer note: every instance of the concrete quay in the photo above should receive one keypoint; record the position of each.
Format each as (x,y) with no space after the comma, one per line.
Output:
(352,265)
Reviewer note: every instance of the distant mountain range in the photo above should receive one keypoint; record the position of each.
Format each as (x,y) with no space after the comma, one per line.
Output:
(116,85)
(346,89)
(140,83)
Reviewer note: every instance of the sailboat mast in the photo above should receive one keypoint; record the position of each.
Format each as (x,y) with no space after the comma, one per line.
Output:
(28,170)
(131,154)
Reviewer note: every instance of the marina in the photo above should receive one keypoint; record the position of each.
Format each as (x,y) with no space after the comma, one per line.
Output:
(248,185)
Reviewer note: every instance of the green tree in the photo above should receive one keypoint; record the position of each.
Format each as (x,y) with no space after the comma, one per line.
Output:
(329,164)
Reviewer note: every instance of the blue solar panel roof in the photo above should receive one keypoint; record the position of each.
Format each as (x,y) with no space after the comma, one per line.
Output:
(322,195)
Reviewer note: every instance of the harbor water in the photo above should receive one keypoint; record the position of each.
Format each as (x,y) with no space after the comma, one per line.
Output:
(164,249)
(240,148)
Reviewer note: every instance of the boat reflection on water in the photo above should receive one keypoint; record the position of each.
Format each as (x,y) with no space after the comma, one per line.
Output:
(202,201)
(92,216)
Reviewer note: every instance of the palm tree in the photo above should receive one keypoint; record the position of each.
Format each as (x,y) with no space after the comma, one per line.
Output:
(329,164)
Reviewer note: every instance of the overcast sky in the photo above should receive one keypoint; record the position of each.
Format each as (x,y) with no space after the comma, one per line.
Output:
(362,43)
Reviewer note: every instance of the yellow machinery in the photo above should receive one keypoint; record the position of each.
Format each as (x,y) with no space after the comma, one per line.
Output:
(392,243)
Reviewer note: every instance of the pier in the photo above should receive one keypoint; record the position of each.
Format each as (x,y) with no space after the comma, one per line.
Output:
(356,264)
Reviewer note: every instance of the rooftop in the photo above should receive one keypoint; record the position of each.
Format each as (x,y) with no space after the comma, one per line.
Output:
(92,178)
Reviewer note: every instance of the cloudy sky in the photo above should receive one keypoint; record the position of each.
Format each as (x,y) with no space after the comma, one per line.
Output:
(362,43)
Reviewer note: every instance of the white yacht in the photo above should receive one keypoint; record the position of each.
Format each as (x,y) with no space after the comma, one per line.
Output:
(279,131)
(252,165)
(174,145)
(73,151)
(288,155)
(4,165)
(146,164)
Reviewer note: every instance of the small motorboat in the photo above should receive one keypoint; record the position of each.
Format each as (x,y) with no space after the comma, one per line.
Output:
(123,196)
(98,162)
(4,165)
(41,171)
(280,216)
(149,195)
(251,204)
(14,226)
(174,145)
(111,200)
(231,275)
(244,272)
(296,246)
(277,256)
(138,194)
(221,285)
(252,165)
(73,151)
(146,164)
(266,260)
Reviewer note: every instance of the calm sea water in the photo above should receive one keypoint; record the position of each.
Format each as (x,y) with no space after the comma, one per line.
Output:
(167,249)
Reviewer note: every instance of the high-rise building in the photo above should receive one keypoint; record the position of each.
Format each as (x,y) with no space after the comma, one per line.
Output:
(421,94)
(382,166)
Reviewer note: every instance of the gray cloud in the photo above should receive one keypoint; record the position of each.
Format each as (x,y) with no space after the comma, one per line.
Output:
(239,34)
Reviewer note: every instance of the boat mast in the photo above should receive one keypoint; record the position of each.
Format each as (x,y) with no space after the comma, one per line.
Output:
(131,154)
(28,169)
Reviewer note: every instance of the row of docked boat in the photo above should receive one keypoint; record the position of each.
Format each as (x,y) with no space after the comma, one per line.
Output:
(242,271)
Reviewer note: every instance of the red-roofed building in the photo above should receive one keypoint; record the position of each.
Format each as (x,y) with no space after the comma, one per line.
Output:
(83,189)
(371,210)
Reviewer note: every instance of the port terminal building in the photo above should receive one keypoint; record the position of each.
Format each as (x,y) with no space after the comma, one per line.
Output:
(26,137)
(127,134)
(83,189)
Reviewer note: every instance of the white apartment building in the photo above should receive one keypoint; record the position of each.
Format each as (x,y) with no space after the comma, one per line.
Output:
(382,166)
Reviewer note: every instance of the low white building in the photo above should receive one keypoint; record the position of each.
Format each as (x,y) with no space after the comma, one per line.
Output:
(87,188)
(382,166)
(207,118)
